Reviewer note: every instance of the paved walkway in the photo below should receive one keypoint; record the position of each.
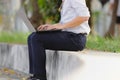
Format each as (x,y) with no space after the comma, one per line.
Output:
(108,61)
(9,74)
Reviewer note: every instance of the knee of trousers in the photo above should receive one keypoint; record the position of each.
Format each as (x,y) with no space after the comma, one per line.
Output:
(31,37)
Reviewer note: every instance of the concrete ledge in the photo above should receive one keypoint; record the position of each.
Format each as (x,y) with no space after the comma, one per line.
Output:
(85,65)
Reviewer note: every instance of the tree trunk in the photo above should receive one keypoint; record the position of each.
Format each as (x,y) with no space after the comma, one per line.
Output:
(111,30)
(91,18)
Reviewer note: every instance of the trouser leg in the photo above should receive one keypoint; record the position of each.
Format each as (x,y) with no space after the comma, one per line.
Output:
(38,42)
(37,56)
(30,54)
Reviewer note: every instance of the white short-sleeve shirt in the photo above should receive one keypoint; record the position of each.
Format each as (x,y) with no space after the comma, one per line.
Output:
(70,10)
(118,10)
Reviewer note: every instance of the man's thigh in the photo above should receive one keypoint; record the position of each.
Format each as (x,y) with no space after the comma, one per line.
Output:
(57,41)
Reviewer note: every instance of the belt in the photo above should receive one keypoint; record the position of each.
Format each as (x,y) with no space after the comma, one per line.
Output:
(82,34)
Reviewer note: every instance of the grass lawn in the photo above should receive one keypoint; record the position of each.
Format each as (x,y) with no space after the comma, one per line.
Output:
(93,42)
(103,44)
(15,38)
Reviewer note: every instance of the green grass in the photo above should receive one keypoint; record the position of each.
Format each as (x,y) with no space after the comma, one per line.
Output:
(17,38)
(103,44)
(93,42)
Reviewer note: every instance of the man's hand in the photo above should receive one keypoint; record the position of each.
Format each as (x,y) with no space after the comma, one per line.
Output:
(43,27)
(50,27)
(55,26)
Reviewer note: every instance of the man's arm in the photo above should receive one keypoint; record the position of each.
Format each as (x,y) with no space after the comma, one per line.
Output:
(75,22)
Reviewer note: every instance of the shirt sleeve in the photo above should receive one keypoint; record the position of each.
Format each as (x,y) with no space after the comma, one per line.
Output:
(80,7)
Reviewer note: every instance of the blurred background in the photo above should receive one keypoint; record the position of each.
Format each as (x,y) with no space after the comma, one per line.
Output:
(104,30)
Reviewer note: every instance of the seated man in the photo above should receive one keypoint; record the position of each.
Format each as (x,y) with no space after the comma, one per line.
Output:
(72,37)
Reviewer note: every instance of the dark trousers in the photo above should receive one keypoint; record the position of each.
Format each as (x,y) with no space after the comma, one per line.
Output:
(61,40)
